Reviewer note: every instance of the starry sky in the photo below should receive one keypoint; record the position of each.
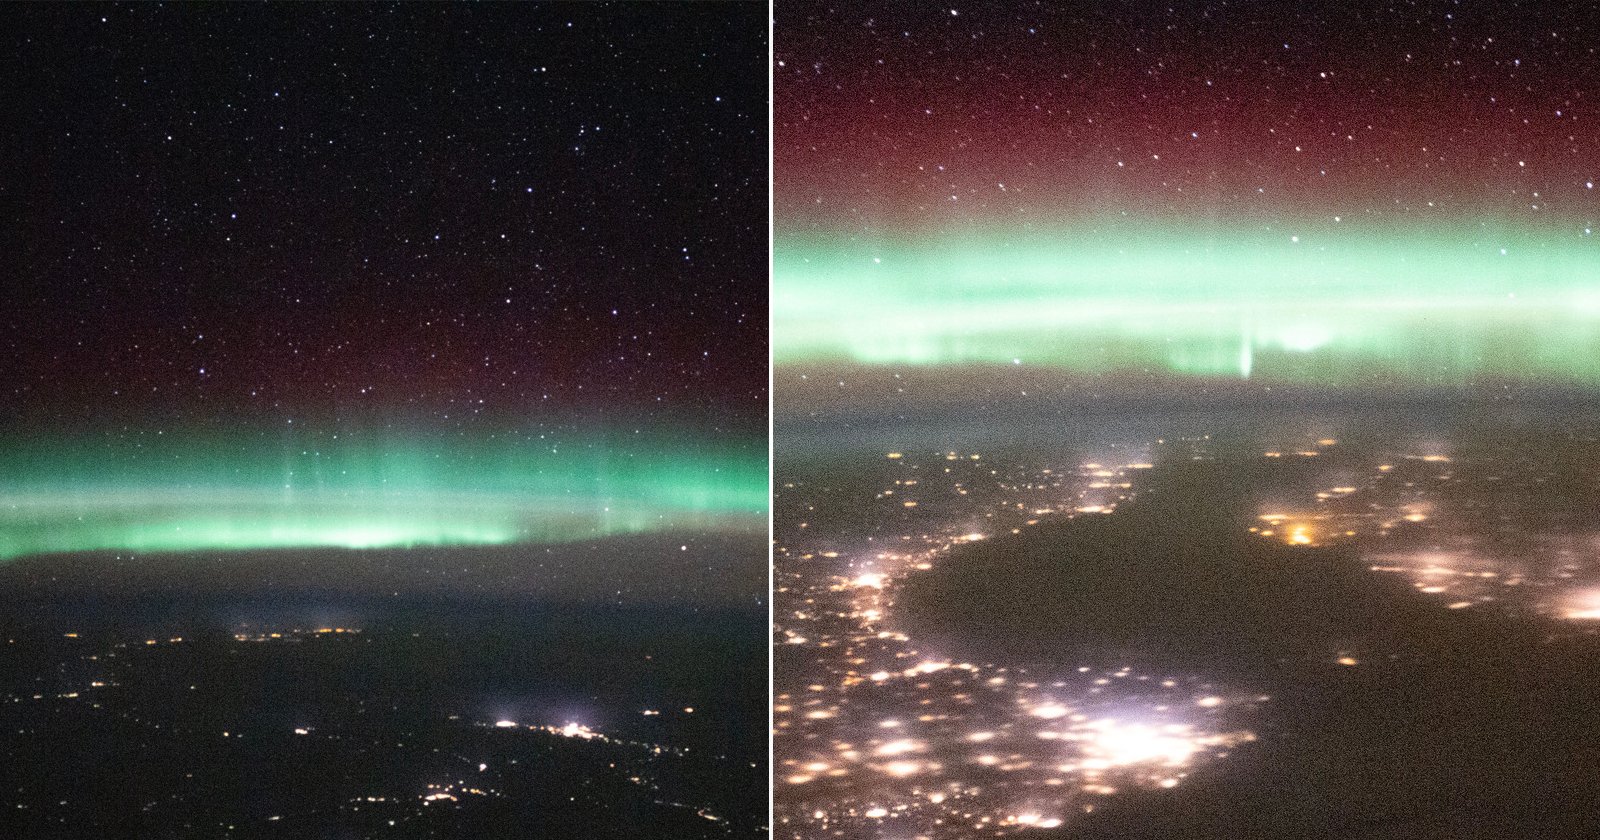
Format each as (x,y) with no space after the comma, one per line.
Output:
(1320,194)
(339,208)
(296,255)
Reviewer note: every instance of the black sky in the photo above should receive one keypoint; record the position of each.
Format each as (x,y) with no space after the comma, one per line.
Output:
(430,210)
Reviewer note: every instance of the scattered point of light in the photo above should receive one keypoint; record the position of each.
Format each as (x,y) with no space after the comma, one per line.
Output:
(901,769)
(1050,711)
(577,730)
(869,580)
(1584,606)
(899,747)
(1123,744)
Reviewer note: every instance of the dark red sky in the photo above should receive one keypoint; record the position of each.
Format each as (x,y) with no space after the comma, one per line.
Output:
(894,114)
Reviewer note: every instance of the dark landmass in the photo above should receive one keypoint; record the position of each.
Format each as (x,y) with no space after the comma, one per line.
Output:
(149,698)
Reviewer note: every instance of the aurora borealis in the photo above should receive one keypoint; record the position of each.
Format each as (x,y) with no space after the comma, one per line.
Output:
(1308,303)
(1330,197)
(224,492)
(370,375)
(317,278)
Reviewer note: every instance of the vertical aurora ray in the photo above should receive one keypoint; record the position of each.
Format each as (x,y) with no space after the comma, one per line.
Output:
(1332,305)
(239,492)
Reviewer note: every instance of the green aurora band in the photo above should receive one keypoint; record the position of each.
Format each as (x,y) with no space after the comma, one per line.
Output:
(175,493)
(1328,303)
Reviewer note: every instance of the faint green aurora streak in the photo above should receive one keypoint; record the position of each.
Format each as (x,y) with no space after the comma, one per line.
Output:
(1332,304)
(221,492)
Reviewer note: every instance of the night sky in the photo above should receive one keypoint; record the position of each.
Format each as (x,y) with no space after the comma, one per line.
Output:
(351,209)
(322,274)
(1356,195)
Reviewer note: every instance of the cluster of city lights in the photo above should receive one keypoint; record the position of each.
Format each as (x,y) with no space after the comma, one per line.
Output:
(881,735)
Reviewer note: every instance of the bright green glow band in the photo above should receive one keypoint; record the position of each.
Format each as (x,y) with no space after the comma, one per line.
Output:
(240,492)
(1332,304)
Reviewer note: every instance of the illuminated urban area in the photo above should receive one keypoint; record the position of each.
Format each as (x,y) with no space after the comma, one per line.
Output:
(357,747)
(882,733)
